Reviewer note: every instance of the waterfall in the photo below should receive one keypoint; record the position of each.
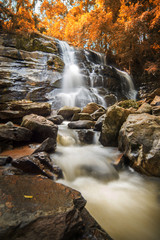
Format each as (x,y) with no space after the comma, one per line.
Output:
(85,79)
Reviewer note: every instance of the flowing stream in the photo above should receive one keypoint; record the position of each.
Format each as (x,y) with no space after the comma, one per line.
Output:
(125,204)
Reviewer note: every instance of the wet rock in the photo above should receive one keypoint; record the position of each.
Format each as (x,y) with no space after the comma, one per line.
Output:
(149,97)
(139,139)
(98,113)
(48,145)
(145,108)
(110,99)
(129,104)
(99,123)
(33,207)
(5,160)
(68,112)
(38,163)
(10,135)
(81,116)
(81,124)
(112,123)
(86,136)
(58,119)
(41,127)
(91,108)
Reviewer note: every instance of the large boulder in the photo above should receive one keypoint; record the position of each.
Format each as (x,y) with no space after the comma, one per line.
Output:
(38,163)
(139,139)
(81,124)
(68,112)
(91,108)
(18,109)
(36,208)
(11,135)
(40,127)
(112,123)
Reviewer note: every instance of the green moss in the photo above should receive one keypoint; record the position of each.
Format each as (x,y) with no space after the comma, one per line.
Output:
(36,42)
(128,104)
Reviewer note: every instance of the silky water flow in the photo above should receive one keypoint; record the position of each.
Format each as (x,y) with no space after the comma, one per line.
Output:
(124,203)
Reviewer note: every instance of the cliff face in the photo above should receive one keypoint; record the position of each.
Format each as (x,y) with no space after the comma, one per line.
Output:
(32,66)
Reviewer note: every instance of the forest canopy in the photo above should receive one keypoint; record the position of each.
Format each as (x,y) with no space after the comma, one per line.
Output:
(130,30)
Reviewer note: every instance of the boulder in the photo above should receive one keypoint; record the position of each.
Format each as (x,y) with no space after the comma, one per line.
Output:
(114,119)
(99,123)
(18,109)
(58,119)
(68,112)
(86,136)
(110,99)
(145,108)
(91,108)
(48,145)
(11,135)
(36,208)
(98,113)
(81,116)
(81,124)
(139,139)
(38,163)
(40,127)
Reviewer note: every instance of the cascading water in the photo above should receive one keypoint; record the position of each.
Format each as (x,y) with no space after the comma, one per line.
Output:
(84,75)
(125,204)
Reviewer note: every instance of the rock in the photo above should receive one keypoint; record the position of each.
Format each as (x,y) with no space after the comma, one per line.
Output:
(28,107)
(128,104)
(68,112)
(99,123)
(81,116)
(38,163)
(156,110)
(114,119)
(12,135)
(58,119)
(110,99)
(41,127)
(4,160)
(86,136)
(91,108)
(81,124)
(18,109)
(98,113)
(156,101)
(48,145)
(139,139)
(145,108)
(36,208)
(152,95)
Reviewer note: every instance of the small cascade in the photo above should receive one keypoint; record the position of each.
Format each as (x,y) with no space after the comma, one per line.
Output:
(127,84)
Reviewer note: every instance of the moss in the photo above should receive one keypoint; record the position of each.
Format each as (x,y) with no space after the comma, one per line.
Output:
(128,104)
(35,42)
(56,63)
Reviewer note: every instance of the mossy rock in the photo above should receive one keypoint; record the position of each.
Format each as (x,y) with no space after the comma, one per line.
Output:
(55,63)
(36,42)
(128,104)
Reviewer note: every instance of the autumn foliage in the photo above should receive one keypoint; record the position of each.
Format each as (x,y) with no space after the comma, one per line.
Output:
(130,30)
